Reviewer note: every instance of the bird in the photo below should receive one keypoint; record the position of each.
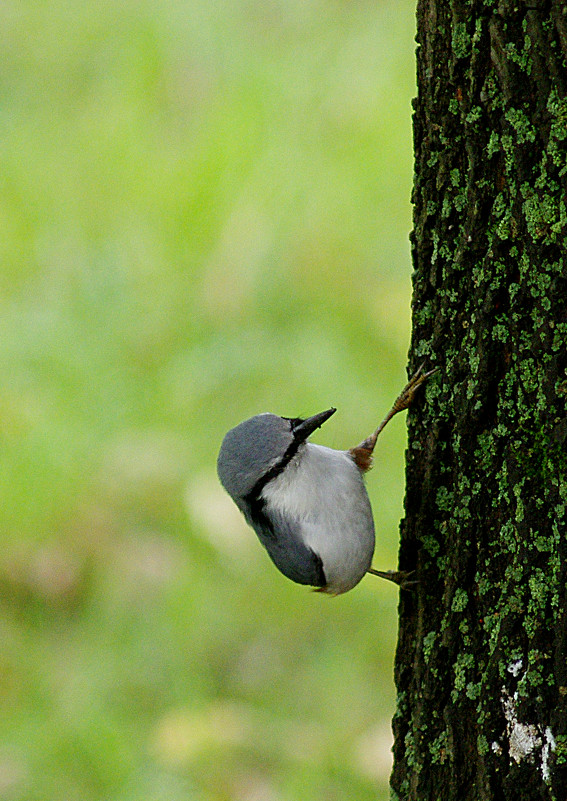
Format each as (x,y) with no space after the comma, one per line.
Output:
(308,503)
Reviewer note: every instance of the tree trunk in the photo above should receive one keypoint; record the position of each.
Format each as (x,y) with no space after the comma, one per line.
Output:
(481,665)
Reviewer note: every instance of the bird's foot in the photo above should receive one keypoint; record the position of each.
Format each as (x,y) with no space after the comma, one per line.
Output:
(406,396)
(362,454)
(400,577)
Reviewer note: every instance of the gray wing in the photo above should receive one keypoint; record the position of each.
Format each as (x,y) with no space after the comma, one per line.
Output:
(289,554)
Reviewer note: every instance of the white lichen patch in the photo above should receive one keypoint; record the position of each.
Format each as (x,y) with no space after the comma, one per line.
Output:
(523,738)
(515,667)
(548,747)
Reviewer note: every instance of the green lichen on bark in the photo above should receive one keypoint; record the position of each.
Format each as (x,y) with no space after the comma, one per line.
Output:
(483,639)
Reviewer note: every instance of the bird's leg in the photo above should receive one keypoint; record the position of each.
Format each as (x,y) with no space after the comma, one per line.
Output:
(399,577)
(403,401)
(362,454)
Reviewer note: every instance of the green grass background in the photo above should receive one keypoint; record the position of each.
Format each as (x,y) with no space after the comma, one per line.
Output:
(204,211)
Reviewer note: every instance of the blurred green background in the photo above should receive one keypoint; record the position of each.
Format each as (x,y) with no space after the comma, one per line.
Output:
(204,212)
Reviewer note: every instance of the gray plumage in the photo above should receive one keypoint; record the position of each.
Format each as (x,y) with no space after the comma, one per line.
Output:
(307,503)
(250,450)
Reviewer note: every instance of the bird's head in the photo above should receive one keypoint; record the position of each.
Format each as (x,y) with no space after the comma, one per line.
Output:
(258,449)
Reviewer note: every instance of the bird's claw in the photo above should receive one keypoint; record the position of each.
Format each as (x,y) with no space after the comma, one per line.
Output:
(406,396)
(399,577)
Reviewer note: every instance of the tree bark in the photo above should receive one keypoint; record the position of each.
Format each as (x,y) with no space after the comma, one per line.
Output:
(481,664)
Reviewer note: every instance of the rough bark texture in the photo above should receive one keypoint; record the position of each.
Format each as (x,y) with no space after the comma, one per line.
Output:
(481,666)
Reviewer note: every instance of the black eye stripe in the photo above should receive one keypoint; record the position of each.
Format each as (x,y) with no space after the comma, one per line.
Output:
(295,421)
(274,471)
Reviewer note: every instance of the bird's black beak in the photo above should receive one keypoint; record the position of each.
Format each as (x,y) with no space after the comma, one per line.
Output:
(305,428)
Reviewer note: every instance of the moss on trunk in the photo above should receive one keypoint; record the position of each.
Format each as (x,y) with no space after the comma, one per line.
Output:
(481,666)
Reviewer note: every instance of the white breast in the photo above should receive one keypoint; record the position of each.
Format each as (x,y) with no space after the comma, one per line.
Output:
(323,492)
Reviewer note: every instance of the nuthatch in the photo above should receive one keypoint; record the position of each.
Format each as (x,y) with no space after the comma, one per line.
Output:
(308,503)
